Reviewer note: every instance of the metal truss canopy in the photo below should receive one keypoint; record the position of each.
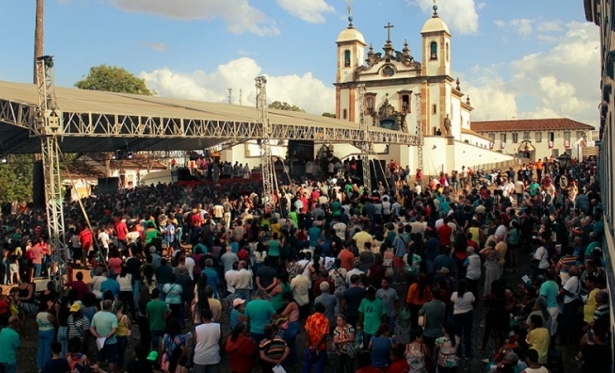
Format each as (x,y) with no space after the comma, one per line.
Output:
(183,122)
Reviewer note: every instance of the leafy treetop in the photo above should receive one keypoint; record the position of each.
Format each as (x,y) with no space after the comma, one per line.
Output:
(113,79)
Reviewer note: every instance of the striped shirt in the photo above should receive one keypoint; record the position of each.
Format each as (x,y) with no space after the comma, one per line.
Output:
(274,348)
(77,328)
(566,262)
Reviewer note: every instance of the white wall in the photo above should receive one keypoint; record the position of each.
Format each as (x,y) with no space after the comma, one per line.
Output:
(475,140)
(470,155)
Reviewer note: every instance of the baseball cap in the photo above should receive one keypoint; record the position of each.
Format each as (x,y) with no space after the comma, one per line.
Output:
(75,307)
(153,356)
(238,301)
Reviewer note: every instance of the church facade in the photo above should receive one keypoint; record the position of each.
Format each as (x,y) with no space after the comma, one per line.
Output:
(394,80)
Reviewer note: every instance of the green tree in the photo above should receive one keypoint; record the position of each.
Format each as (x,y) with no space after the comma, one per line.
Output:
(113,79)
(284,106)
(328,115)
(16,175)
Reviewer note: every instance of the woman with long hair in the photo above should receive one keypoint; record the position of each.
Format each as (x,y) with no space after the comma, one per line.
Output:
(148,278)
(200,301)
(240,349)
(46,322)
(277,293)
(126,296)
(446,349)
(173,340)
(419,293)
(417,353)
(143,323)
(463,316)
(380,345)
(292,325)
(124,327)
(492,269)
(497,318)
(343,340)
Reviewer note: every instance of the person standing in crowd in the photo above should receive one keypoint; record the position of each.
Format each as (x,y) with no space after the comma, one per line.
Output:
(317,330)
(272,350)
(343,340)
(103,328)
(371,315)
(10,342)
(463,317)
(207,344)
(46,322)
(258,313)
(240,349)
(156,312)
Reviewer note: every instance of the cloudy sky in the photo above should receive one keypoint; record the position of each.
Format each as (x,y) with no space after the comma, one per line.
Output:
(516,59)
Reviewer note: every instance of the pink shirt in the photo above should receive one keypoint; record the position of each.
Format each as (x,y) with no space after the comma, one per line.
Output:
(115,265)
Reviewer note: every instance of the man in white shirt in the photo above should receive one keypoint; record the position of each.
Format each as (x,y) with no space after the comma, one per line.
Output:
(189,264)
(242,282)
(300,286)
(354,271)
(229,277)
(340,228)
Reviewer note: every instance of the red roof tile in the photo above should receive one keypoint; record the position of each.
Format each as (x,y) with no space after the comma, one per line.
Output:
(530,125)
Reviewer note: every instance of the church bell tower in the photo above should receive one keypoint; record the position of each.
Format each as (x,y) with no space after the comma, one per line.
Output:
(436,46)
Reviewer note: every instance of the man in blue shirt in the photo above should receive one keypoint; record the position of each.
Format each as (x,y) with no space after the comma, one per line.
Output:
(112,285)
(10,342)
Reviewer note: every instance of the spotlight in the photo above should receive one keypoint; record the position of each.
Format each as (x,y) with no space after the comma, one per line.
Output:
(4,160)
(129,155)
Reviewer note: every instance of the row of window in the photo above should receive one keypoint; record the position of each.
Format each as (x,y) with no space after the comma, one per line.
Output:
(433,55)
(537,136)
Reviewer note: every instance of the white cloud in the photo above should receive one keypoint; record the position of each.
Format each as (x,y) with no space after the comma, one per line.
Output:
(238,15)
(546,26)
(158,46)
(522,26)
(308,10)
(562,81)
(460,15)
(304,90)
(499,23)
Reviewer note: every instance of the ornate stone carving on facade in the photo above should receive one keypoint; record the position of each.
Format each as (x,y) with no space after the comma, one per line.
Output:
(387,117)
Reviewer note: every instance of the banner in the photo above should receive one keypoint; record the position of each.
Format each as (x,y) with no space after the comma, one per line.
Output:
(490,145)
(567,143)
(503,145)
(550,144)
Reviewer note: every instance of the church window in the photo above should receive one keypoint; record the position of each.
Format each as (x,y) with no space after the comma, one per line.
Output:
(433,50)
(515,137)
(434,109)
(551,136)
(346,58)
(370,103)
(492,137)
(345,115)
(388,71)
(538,136)
(446,52)
(580,134)
(567,136)
(526,135)
(404,103)
(503,138)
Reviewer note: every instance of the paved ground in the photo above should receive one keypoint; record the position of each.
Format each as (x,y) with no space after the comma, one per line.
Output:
(26,358)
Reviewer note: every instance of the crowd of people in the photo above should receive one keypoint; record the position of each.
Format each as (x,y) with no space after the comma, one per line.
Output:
(202,276)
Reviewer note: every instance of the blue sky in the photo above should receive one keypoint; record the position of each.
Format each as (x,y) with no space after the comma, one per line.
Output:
(523,58)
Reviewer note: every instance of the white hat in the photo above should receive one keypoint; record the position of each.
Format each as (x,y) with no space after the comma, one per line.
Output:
(238,301)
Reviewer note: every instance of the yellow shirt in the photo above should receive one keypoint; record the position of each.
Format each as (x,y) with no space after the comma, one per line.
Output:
(122,328)
(590,306)
(539,340)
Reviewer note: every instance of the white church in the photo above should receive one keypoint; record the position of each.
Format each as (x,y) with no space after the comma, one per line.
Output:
(393,81)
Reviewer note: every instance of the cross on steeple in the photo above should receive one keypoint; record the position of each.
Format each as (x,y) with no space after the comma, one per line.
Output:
(389,26)
(349,8)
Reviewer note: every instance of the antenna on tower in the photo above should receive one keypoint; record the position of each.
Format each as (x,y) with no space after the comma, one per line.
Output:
(240,97)
(230,91)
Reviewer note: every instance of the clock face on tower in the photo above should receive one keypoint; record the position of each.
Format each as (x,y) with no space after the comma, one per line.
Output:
(388,71)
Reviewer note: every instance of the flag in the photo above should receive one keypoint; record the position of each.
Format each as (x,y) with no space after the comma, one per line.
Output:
(490,145)
(503,145)
(550,144)
(567,143)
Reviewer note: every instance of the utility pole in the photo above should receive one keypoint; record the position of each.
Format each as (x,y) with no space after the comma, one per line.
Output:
(419,131)
(48,126)
(364,145)
(265,144)
(38,35)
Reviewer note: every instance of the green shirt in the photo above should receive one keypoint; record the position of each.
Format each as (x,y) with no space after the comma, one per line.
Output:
(10,342)
(156,311)
(259,312)
(372,314)
(150,234)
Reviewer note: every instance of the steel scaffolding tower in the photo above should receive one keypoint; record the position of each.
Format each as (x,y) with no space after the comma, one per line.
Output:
(364,144)
(48,126)
(419,132)
(265,143)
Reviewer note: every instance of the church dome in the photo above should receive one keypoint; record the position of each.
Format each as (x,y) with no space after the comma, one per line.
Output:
(435,24)
(350,34)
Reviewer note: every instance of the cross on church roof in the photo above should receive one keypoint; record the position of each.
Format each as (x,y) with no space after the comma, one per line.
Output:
(349,8)
(389,26)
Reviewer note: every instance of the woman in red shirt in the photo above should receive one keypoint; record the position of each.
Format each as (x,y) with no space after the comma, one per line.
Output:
(399,364)
(240,349)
